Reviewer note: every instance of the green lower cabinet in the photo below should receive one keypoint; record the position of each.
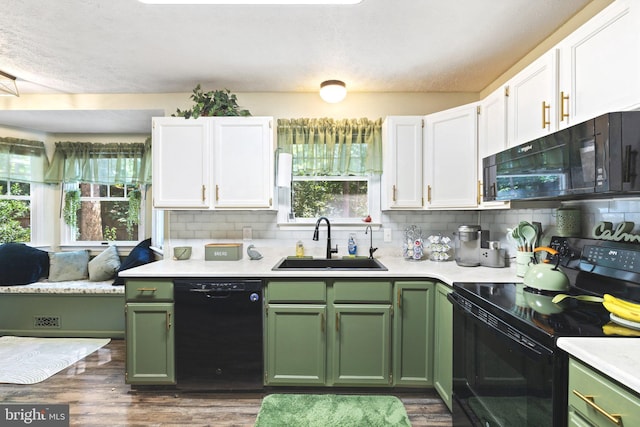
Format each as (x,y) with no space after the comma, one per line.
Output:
(361,344)
(413,333)
(149,343)
(443,345)
(295,344)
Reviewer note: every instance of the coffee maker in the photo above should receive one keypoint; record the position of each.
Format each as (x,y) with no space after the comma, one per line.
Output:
(470,239)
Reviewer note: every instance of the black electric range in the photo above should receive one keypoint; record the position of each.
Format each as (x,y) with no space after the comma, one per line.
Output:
(507,367)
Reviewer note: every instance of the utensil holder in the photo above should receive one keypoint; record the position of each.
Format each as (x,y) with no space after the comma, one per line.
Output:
(523,259)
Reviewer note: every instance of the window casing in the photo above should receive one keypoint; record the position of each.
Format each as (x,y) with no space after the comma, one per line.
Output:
(103,215)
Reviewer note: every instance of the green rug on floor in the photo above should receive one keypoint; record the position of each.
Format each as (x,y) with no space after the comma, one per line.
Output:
(324,410)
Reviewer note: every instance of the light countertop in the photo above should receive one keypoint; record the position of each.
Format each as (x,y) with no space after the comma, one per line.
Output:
(616,357)
(447,272)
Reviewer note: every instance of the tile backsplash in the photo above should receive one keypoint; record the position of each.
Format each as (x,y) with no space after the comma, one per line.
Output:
(216,225)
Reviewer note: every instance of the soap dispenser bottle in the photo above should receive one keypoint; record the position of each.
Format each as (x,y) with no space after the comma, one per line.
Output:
(351,244)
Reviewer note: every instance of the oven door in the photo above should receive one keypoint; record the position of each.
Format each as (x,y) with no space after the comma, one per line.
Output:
(500,378)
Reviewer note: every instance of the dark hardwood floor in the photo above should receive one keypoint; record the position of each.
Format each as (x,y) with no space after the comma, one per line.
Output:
(96,393)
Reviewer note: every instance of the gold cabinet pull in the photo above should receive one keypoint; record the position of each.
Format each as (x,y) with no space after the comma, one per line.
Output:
(399,299)
(428,194)
(589,400)
(322,322)
(337,322)
(168,321)
(393,196)
(479,193)
(147,289)
(564,113)
(204,193)
(217,192)
(545,115)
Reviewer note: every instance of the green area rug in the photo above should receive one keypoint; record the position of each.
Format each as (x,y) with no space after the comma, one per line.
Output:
(328,410)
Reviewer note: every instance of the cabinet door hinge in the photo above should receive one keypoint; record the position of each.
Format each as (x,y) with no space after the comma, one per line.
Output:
(391,311)
(390,378)
(266,309)
(270,124)
(126,377)
(266,376)
(422,123)
(478,110)
(506,91)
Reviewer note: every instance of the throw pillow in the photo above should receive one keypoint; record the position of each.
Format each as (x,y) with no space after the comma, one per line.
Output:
(105,265)
(21,264)
(140,255)
(68,266)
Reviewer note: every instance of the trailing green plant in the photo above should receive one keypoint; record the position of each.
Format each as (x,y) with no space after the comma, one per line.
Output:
(133,215)
(71,208)
(212,103)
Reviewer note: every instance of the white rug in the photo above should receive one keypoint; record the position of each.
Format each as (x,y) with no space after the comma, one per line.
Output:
(25,360)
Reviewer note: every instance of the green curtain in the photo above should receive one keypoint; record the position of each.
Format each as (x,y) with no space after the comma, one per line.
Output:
(331,147)
(111,163)
(22,160)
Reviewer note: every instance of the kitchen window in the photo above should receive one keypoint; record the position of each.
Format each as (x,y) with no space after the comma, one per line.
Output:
(22,166)
(335,170)
(104,213)
(103,187)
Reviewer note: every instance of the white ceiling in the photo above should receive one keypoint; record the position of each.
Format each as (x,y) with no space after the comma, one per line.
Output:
(124,46)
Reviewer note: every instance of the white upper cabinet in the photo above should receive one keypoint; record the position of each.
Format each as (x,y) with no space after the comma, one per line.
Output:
(181,153)
(531,105)
(451,158)
(600,65)
(243,162)
(492,134)
(213,163)
(402,162)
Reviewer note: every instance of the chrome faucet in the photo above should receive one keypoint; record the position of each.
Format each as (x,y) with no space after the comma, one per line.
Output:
(371,248)
(315,236)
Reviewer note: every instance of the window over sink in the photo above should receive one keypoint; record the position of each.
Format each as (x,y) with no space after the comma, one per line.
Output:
(336,166)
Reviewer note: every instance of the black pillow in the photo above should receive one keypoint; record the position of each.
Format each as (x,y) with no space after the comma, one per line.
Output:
(140,255)
(21,264)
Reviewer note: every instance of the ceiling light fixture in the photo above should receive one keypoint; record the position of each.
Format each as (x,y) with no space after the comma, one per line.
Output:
(333,91)
(244,2)
(8,85)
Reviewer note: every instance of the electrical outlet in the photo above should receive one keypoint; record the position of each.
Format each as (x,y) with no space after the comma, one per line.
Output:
(387,235)
(247,233)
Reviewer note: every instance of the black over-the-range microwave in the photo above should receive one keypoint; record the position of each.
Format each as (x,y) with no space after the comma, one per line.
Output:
(595,158)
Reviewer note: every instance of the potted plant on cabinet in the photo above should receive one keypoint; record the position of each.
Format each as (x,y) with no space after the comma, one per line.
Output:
(212,103)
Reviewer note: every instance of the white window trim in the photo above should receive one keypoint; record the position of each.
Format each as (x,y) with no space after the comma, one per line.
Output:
(67,234)
(375,211)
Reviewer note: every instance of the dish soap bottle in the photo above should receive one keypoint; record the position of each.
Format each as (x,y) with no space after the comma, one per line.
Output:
(351,244)
(299,249)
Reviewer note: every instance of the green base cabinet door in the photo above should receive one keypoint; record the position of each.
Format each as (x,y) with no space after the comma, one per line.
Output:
(413,333)
(295,344)
(149,344)
(443,344)
(361,344)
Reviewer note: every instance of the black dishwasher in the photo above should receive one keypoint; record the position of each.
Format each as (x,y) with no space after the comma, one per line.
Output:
(218,334)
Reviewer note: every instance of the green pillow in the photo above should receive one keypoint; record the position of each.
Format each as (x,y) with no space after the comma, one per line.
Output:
(105,265)
(65,266)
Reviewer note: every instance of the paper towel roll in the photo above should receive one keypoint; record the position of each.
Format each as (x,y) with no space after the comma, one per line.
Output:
(285,166)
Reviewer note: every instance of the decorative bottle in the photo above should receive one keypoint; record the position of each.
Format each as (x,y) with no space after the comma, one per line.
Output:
(351,244)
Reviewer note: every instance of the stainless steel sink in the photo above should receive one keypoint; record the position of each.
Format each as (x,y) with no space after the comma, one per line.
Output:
(359,264)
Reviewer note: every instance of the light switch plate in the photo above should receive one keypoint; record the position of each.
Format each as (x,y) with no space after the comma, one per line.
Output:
(247,233)
(387,235)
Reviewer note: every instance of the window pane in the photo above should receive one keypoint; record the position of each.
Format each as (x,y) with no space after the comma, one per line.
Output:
(4,188)
(336,199)
(15,214)
(105,220)
(20,189)
(117,190)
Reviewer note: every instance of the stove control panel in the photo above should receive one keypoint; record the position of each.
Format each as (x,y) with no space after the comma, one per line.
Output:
(611,257)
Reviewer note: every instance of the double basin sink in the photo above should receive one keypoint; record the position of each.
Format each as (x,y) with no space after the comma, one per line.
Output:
(320,264)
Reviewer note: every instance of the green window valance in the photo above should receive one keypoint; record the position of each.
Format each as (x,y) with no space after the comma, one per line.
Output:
(22,160)
(331,147)
(99,163)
